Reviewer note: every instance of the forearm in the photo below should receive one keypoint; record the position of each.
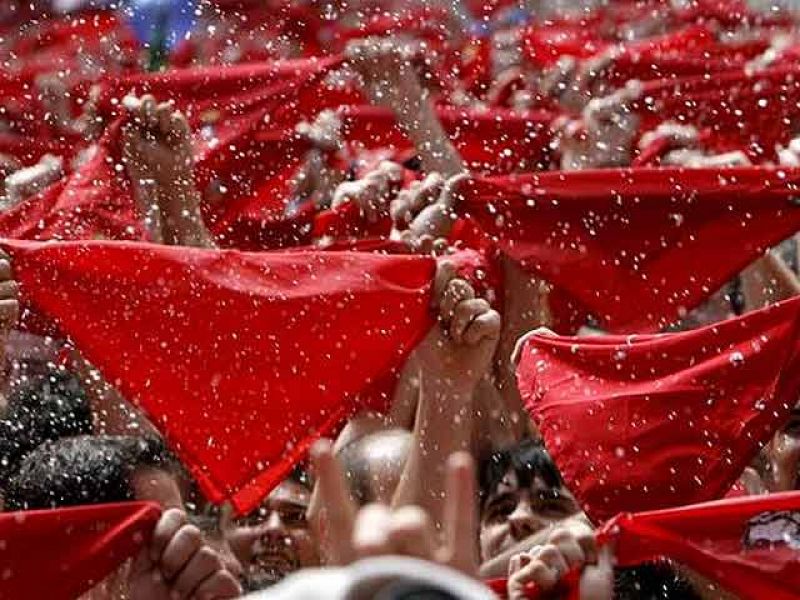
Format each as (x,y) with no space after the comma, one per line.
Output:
(182,221)
(416,114)
(525,309)
(443,426)
(766,281)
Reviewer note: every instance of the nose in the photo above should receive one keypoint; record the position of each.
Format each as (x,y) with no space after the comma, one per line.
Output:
(523,521)
(274,528)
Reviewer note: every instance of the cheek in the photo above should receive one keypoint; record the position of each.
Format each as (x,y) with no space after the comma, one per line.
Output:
(242,542)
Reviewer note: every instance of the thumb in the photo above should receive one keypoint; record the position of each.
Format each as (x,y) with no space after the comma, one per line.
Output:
(597,581)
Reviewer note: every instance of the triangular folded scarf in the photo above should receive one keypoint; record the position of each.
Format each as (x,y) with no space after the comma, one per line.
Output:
(750,545)
(241,359)
(63,553)
(647,422)
(625,243)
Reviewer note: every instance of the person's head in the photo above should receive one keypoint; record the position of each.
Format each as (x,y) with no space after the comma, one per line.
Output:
(94,470)
(521,493)
(275,539)
(374,463)
(43,408)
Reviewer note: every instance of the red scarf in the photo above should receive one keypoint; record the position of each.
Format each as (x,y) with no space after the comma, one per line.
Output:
(242,360)
(647,422)
(625,243)
(750,545)
(63,553)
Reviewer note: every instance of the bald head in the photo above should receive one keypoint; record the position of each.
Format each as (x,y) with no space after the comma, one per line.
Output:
(373,464)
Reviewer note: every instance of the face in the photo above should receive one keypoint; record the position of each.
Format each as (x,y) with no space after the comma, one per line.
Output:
(513,513)
(275,540)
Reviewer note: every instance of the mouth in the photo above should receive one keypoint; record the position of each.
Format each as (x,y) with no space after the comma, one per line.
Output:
(274,566)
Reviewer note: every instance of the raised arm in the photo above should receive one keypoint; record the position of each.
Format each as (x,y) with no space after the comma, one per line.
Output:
(390,80)
(453,359)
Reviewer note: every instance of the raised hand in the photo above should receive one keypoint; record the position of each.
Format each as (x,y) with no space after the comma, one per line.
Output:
(178,563)
(565,551)
(377,530)
(373,193)
(424,223)
(157,153)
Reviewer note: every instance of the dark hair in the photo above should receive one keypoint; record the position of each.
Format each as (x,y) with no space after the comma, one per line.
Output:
(47,407)
(301,476)
(652,581)
(528,458)
(83,470)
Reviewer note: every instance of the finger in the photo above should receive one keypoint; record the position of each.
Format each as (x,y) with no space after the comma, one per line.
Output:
(484,327)
(458,290)
(429,191)
(551,556)
(9,289)
(164,117)
(453,190)
(425,244)
(371,532)
(461,514)
(518,561)
(539,574)
(179,126)
(435,220)
(148,111)
(220,586)
(166,528)
(411,533)
(202,565)
(9,312)
(180,550)
(588,543)
(569,547)
(463,315)
(226,517)
(597,582)
(5,269)
(399,209)
(336,505)
(446,271)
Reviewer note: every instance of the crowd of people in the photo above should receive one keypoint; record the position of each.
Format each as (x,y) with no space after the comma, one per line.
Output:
(377,299)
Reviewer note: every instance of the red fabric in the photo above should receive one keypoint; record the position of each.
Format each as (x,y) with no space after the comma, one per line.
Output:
(543,45)
(652,421)
(716,541)
(93,202)
(244,142)
(63,553)
(260,355)
(220,95)
(619,238)
(754,112)
(496,140)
